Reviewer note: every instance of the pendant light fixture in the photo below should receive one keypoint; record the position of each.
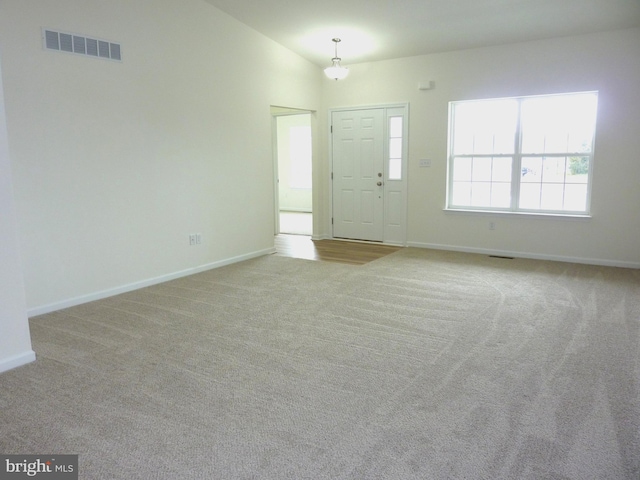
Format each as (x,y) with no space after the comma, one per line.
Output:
(336,71)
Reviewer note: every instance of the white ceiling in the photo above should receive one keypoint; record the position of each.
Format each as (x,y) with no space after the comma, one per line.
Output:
(381,29)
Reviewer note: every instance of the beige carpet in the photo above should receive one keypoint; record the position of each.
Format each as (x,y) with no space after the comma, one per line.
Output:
(419,365)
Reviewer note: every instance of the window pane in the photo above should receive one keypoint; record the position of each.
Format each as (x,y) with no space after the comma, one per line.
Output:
(501,171)
(558,123)
(578,171)
(531,170)
(461,194)
(395,148)
(575,198)
(530,196)
(501,195)
(552,197)
(484,127)
(582,122)
(481,194)
(395,127)
(481,170)
(395,169)
(482,182)
(461,169)
(553,169)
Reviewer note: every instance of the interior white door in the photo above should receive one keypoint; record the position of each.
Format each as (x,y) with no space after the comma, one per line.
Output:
(358,174)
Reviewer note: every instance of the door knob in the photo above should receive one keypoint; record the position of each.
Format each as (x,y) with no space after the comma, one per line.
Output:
(379,184)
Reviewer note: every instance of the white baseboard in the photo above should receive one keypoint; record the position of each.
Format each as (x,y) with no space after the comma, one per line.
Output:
(533,256)
(329,237)
(72,302)
(294,210)
(16,361)
(321,237)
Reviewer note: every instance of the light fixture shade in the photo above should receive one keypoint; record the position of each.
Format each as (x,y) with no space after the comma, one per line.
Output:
(336,71)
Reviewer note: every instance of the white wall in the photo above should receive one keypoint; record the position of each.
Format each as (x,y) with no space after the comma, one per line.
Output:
(290,198)
(115,164)
(607,62)
(15,343)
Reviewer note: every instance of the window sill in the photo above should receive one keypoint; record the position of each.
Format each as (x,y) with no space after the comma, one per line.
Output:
(561,216)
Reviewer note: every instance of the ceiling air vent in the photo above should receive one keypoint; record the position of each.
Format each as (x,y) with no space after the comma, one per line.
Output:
(81,45)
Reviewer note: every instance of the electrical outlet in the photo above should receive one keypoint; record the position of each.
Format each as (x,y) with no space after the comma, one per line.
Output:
(198,238)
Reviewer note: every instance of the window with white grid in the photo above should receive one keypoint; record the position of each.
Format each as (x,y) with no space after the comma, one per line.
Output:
(522,154)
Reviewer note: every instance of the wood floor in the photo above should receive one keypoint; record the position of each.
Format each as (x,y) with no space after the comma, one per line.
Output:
(354,253)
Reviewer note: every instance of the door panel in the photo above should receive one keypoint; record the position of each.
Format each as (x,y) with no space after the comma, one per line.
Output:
(395,204)
(367,202)
(358,160)
(347,206)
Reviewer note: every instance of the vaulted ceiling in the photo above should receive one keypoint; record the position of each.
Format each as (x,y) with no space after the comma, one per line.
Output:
(373,30)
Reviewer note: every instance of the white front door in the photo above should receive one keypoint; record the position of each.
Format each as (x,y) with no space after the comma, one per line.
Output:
(358,174)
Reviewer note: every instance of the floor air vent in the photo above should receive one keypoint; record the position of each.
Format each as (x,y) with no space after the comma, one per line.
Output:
(81,45)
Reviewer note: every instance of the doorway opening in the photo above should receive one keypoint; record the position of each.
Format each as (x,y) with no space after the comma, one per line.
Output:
(293,171)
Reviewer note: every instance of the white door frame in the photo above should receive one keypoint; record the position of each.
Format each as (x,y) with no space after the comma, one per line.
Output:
(392,235)
(277,111)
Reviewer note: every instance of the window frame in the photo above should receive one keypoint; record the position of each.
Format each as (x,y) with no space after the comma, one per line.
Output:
(517,160)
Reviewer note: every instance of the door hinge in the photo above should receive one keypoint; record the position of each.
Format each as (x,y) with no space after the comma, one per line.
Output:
(331,220)
(331,175)
(331,128)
